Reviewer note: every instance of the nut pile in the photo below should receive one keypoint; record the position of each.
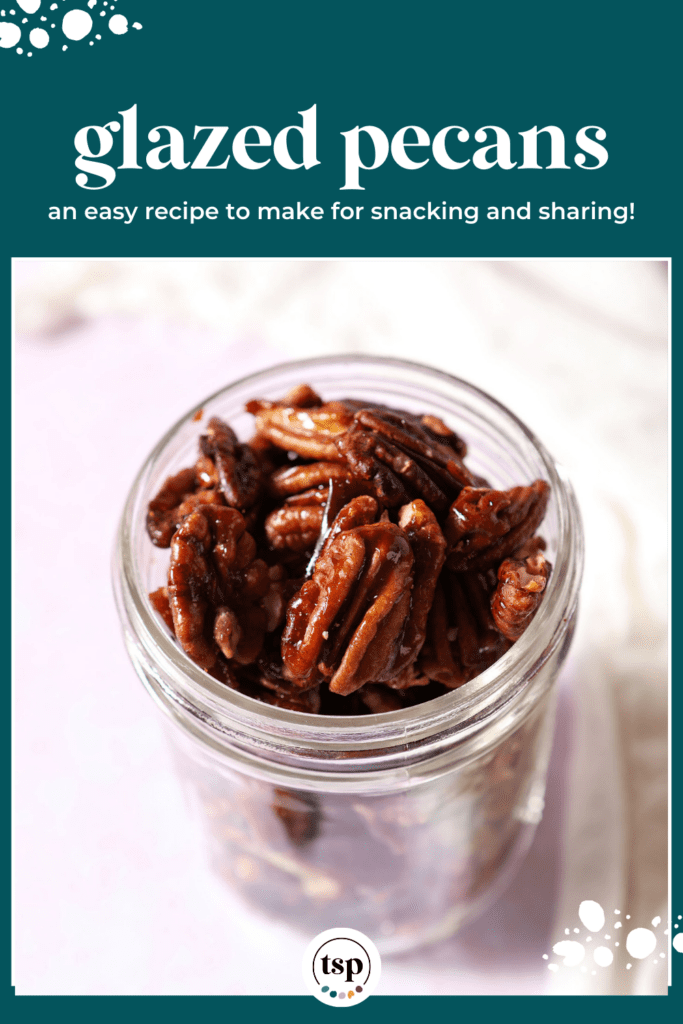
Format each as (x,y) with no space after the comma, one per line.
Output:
(345,560)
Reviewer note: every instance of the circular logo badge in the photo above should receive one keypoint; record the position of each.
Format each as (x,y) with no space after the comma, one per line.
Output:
(341,967)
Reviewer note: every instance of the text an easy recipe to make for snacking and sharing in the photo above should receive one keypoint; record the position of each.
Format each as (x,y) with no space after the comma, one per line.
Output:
(430,211)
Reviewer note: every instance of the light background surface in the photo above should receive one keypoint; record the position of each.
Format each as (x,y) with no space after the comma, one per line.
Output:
(111,895)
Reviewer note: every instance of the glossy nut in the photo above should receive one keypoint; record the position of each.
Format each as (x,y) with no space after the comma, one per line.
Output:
(485,526)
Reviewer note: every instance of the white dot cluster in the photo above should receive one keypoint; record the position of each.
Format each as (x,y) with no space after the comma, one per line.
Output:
(75,25)
(641,942)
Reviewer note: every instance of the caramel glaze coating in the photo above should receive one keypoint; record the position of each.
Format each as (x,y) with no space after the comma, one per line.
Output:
(344,561)
(295,528)
(237,465)
(429,549)
(162,516)
(218,591)
(292,480)
(403,458)
(309,431)
(485,526)
(365,644)
(521,582)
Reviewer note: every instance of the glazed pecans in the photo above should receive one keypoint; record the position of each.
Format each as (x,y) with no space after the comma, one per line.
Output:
(345,560)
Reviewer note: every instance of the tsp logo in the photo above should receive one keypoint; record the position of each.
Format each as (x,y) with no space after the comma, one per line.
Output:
(341,967)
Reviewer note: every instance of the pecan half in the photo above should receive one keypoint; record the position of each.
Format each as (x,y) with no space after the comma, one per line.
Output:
(435,427)
(429,550)
(313,610)
(316,496)
(237,465)
(485,526)
(421,439)
(346,622)
(191,585)
(521,583)
(295,527)
(159,599)
(462,639)
(216,587)
(310,432)
(295,479)
(369,632)
(309,518)
(360,511)
(403,459)
(162,515)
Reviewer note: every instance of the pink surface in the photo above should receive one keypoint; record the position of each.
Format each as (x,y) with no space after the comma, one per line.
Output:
(111,894)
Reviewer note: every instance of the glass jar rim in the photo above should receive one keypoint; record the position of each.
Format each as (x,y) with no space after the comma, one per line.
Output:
(236,720)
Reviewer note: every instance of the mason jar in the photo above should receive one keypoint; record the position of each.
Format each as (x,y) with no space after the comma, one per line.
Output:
(405,824)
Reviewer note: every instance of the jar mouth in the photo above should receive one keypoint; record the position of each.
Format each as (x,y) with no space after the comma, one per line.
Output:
(177,679)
